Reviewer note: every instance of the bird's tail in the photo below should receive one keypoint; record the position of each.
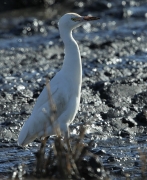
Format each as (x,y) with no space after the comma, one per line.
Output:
(25,136)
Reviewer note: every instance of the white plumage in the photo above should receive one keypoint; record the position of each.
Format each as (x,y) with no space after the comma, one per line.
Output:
(65,87)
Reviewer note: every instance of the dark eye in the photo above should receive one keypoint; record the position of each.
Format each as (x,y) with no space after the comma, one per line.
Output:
(73,19)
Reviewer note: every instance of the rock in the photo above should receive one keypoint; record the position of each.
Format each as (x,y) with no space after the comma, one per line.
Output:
(142,117)
(131,122)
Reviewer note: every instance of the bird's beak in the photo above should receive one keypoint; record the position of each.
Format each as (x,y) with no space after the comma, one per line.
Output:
(85,18)
(90,18)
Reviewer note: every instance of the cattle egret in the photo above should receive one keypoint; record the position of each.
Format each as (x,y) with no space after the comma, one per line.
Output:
(65,87)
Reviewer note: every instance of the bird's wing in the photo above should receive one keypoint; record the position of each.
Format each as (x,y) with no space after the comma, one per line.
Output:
(43,97)
(58,87)
(39,121)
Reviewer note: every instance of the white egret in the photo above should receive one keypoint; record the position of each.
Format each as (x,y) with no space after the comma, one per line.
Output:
(65,87)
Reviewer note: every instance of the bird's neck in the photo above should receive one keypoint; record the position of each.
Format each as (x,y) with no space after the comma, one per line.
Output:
(72,59)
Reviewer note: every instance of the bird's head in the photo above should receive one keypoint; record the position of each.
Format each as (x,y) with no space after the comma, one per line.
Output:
(73,20)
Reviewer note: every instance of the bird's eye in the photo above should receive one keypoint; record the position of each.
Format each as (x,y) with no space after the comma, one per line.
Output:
(73,19)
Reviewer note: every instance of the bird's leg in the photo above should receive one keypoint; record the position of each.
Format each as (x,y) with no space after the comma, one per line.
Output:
(46,138)
(67,141)
(43,141)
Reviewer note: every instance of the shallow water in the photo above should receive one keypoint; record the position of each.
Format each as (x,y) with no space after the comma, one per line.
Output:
(120,156)
(112,49)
